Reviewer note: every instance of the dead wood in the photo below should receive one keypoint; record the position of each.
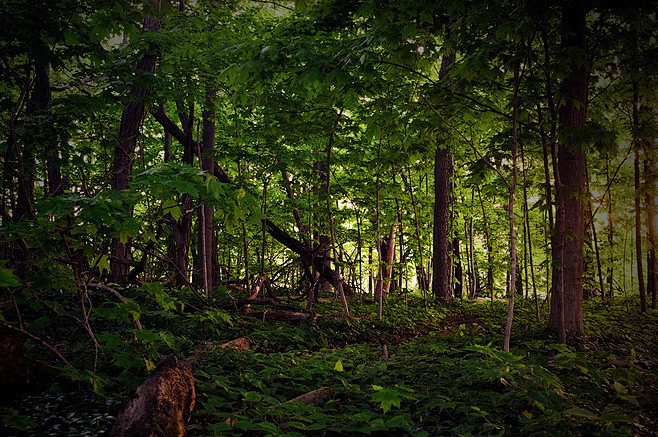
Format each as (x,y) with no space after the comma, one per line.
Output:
(258,286)
(204,348)
(160,404)
(281,316)
(102,287)
(306,255)
(315,397)
(239,343)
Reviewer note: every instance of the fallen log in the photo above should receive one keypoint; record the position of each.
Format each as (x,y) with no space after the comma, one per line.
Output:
(292,318)
(239,343)
(160,404)
(315,397)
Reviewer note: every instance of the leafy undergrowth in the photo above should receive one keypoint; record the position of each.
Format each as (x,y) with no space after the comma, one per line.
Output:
(434,371)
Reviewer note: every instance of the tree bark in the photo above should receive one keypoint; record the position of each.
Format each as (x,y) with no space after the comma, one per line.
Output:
(441,260)
(160,403)
(638,234)
(443,172)
(206,212)
(650,205)
(572,164)
(387,251)
(131,119)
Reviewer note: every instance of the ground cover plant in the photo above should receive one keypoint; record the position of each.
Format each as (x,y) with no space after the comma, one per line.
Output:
(328,217)
(443,372)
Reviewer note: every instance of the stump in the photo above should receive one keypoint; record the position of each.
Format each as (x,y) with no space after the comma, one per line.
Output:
(160,404)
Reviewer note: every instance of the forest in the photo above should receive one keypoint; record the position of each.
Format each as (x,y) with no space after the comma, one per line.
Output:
(328,218)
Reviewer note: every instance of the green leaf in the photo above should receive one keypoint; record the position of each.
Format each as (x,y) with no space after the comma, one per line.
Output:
(214,187)
(252,396)
(580,412)
(8,278)
(387,398)
(171,206)
(608,417)
(339,366)
(123,236)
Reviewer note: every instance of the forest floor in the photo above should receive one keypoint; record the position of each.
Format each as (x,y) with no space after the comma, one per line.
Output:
(420,371)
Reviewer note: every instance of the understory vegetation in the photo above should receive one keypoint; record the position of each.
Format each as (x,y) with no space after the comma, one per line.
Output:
(328,217)
(419,371)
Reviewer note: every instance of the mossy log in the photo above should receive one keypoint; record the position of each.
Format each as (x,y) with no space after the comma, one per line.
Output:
(160,404)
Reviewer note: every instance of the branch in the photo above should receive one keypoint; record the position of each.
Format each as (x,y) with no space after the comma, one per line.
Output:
(38,339)
(102,287)
(171,128)
(470,143)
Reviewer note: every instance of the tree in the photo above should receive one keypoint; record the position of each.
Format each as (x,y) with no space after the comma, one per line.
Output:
(443,172)
(567,297)
(126,142)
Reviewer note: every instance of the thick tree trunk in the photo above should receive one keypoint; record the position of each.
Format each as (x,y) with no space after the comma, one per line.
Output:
(161,403)
(571,166)
(441,260)
(131,119)
(443,172)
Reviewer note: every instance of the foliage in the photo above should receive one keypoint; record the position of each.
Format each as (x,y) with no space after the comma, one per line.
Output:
(449,381)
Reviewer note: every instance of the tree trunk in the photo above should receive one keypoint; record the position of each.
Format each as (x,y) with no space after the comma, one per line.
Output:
(572,164)
(638,234)
(512,231)
(441,261)
(443,172)
(206,212)
(387,251)
(41,96)
(459,271)
(611,233)
(487,239)
(650,204)
(131,119)
(161,403)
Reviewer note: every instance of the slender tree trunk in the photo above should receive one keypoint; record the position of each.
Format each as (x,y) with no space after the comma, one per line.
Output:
(378,296)
(638,234)
(264,229)
(528,233)
(41,97)
(420,263)
(339,281)
(595,240)
(472,264)
(206,212)
(512,190)
(611,233)
(487,239)
(458,268)
(387,251)
(650,204)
